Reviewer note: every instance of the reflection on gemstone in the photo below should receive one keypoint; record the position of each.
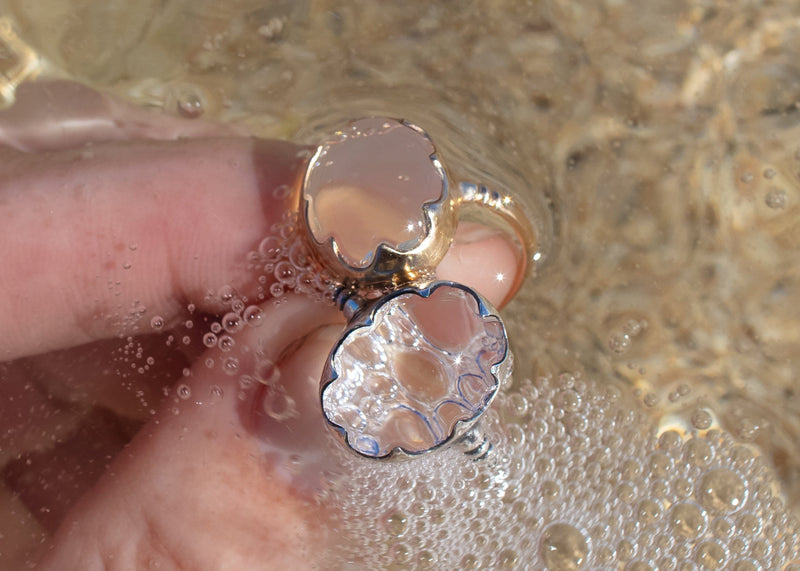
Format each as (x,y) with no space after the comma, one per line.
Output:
(367,185)
(421,365)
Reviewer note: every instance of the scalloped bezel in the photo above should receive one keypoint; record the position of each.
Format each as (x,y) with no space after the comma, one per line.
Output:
(366,318)
(388,264)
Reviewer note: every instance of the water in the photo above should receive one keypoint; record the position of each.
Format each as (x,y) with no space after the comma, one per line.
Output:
(657,150)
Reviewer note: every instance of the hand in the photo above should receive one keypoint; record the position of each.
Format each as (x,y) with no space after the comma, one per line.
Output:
(113,220)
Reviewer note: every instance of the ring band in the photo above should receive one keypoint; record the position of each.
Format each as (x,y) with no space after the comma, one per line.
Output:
(508,209)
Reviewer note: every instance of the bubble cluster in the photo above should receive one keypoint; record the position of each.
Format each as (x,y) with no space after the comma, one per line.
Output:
(578,479)
(621,338)
(283,263)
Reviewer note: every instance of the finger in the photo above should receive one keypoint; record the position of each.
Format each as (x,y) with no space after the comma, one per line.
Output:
(96,246)
(21,533)
(48,482)
(198,488)
(57,114)
(484,259)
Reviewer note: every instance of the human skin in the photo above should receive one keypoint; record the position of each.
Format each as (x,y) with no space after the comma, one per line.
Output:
(123,210)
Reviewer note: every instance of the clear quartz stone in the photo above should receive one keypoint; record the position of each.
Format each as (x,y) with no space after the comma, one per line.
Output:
(367,185)
(420,367)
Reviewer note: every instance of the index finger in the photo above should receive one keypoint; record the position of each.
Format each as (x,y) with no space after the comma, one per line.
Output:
(94,239)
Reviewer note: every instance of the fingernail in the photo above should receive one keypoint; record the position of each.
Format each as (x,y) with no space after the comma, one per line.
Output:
(471,232)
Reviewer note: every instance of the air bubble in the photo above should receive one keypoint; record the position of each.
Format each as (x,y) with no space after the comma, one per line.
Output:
(281,191)
(625,550)
(550,490)
(660,465)
(396,524)
(507,559)
(626,492)
(426,560)
(721,490)
(232,322)
(775,199)
(266,372)
(216,393)
(698,452)
(710,555)
(226,343)
(254,316)
(285,273)
(563,547)
(306,283)
(279,406)
(570,400)
(749,524)
(286,231)
(299,256)
(183,391)
(401,553)
(157,322)
(760,549)
(701,419)
(209,340)
(230,366)
(670,440)
(682,487)
(226,294)
(619,343)
(649,511)
(270,248)
(722,528)
(747,429)
(687,519)
(631,470)
(276,289)
(650,399)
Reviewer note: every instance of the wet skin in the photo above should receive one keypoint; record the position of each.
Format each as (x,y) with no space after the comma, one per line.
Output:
(107,209)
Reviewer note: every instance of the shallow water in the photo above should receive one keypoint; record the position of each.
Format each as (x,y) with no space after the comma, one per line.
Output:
(658,148)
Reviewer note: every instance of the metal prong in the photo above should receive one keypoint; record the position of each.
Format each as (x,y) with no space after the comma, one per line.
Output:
(348,302)
(475,443)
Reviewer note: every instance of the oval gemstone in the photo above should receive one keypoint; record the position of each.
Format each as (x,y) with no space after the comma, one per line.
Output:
(367,185)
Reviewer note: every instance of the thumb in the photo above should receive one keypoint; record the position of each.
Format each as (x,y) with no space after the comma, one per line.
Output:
(197,487)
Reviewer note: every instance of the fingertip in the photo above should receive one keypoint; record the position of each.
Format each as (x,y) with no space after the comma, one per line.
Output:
(485,259)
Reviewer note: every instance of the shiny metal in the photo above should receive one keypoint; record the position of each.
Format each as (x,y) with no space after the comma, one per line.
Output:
(395,387)
(415,368)
(508,209)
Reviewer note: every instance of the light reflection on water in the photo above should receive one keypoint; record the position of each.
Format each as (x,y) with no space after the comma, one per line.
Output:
(656,144)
